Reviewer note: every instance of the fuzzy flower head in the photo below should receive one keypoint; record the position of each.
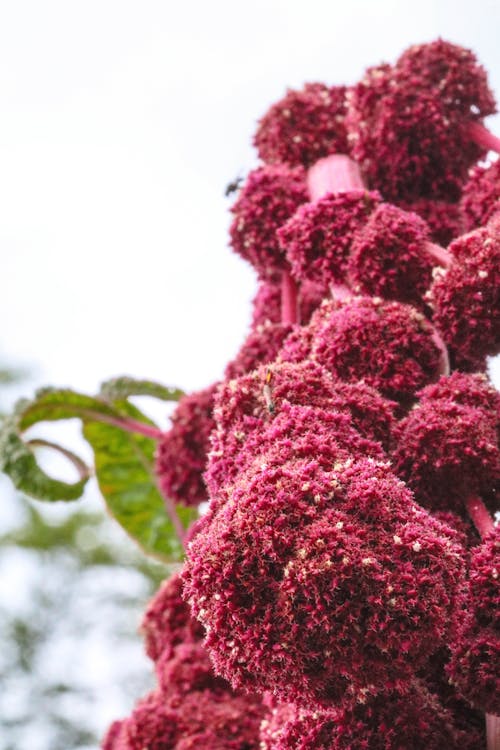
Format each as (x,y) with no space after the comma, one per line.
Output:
(268,198)
(377,577)
(466,298)
(389,345)
(448,452)
(181,454)
(409,141)
(167,621)
(408,719)
(443,218)
(246,408)
(318,237)
(260,347)
(303,126)
(481,196)
(475,663)
(388,256)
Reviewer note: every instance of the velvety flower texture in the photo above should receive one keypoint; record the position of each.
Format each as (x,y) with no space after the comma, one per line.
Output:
(167,621)
(444,219)
(408,125)
(245,408)
(481,196)
(181,454)
(475,665)
(260,346)
(448,452)
(316,584)
(318,237)
(389,258)
(466,298)
(397,720)
(303,126)
(389,345)
(201,719)
(268,198)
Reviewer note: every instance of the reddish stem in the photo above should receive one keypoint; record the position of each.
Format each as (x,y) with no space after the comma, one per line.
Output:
(289,299)
(480,135)
(479,515)
(443,367)
(492,732)
(439,254)
(333,174)
(132,425)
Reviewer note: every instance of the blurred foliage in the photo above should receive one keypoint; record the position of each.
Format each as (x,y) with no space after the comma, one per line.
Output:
(72,591)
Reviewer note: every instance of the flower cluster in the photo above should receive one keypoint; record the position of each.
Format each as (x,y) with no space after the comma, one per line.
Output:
(345,575)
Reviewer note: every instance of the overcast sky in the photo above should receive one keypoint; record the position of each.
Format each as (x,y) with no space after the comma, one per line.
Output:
(120,124)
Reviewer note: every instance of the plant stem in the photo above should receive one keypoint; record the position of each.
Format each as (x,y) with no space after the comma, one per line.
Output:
(492,732)
(333,174)
(479,516)
(130,425)
(480,135)
(289,299)
(440,255)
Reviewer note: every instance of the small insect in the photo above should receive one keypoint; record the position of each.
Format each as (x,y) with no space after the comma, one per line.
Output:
(268,396)
(233,186)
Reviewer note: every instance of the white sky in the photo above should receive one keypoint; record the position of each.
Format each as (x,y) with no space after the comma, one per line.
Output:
(120,124)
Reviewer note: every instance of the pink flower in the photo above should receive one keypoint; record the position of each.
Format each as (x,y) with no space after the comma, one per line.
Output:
(303,126)
(268,198)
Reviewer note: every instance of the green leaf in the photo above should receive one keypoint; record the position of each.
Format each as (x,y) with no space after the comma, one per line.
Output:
(124,465)
(118,389)
(52,404)
(19,462)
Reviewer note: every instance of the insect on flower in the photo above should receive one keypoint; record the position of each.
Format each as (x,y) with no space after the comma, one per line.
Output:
(233,186)
(268,398)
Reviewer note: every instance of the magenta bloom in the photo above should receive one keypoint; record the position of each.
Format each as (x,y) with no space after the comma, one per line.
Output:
(397,720)
(187,669)
(260,347)
(475,664)
(410,129)
(304,126)
(444,219)
(377,577)
(466,298)
(201,719)
(181,454)
(318,237)
(268,198)
(389,345)
(466,389)
(452,73)
(167,621)
(448,452)
(389,258)
(481,196)
(246,408)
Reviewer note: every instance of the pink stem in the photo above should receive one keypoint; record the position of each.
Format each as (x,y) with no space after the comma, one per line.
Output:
(480,135)
(480,516)
(289,299)
(492,732)
(439,254)
(444,360)
(131,425)
(333,174)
